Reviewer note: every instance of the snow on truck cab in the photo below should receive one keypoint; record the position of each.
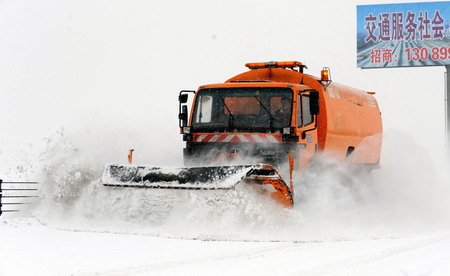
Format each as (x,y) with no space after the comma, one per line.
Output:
(245,129)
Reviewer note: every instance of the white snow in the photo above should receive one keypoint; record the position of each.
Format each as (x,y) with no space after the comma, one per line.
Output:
(337,227)
(29,248)
(85,81)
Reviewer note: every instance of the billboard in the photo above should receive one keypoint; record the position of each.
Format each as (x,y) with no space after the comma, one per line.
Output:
(403,35)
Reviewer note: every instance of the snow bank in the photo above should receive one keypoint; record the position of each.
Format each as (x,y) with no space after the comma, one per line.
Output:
(333,201)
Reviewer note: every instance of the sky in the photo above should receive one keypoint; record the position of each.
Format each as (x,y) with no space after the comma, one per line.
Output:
(107,73)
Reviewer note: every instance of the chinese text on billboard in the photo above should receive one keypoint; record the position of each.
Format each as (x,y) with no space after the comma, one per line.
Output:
(412,34)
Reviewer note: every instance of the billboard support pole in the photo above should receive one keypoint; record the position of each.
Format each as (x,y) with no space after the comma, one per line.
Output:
(447,104)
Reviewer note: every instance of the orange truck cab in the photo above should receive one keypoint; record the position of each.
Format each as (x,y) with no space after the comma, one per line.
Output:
(274,109)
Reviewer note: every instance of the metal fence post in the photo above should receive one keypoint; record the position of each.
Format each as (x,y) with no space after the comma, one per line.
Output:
(1,197)
(16,195)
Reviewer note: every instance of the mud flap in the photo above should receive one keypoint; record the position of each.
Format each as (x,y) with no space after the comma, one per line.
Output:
(265,178)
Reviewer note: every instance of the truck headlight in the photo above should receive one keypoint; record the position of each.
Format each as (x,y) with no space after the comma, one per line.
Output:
(286,130)
(186,130)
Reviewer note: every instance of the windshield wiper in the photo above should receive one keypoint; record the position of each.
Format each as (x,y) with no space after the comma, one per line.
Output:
(268,112)
(230,118)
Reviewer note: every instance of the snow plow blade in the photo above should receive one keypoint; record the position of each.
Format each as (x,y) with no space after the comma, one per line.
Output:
(265,178)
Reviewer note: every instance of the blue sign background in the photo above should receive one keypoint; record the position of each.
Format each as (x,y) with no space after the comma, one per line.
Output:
(396,35)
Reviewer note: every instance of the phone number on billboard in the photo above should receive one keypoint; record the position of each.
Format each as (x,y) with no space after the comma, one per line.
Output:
(436,53)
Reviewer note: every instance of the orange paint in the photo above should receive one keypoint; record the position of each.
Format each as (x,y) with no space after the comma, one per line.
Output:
(130,156)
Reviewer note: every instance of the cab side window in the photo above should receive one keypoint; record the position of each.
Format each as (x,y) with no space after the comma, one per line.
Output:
(299,113)
(204,109)
(307,117)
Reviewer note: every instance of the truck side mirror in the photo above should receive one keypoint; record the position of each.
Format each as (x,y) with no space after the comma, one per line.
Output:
(314,103)
(182,108)
(183,116)
(183,98)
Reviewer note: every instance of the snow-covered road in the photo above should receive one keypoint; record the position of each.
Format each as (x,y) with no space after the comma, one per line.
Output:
(85,81)
(392,224)
(29,248)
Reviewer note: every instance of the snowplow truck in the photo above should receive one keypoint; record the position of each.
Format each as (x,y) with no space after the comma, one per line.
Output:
(270,117)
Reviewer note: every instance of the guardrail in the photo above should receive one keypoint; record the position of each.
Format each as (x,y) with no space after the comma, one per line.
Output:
(15,194)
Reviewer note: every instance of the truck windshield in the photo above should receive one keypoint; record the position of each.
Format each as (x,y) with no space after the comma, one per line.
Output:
(249,109)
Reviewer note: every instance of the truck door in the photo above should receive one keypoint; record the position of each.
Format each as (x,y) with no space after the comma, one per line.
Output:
(307,131)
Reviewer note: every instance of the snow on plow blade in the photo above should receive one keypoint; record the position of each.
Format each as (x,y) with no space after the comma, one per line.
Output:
(265,178)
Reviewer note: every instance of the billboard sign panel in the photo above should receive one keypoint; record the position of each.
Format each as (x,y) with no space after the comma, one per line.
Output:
(403,35)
